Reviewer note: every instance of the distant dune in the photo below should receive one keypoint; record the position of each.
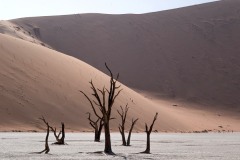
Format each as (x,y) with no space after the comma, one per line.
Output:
(185,62)
(189,53)
(36,81)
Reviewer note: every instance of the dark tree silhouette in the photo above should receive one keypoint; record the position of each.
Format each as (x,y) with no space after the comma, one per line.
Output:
(97,126)
(148,131)
(47,149)
(130,131)
(123,115)
(60,141)
(105,107)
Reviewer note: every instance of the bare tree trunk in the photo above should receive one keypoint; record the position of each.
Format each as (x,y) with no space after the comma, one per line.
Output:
(96,139)
(105,106)
(97,128)
(130,131)
(149,131)
(123,136)
(47,149)
(60,141)
(63,134)
(123,115)
(148,144)
(108,146)
(129,138)
(99,131)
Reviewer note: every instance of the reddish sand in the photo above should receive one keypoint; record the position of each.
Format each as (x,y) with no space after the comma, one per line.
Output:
(189,53)
(183,62)
(39,81)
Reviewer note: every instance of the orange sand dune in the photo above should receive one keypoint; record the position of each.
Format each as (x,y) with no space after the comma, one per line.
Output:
(189,53)
(35,81)
(183,62)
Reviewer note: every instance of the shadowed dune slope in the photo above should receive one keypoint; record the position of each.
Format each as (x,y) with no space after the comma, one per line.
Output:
(189,53)
(36,81)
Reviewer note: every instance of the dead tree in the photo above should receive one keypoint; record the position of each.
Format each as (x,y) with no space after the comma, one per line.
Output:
(148,131)
(105,106)
(130,131)
(123,115)
(60,141)
(97,126)
(47,149)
